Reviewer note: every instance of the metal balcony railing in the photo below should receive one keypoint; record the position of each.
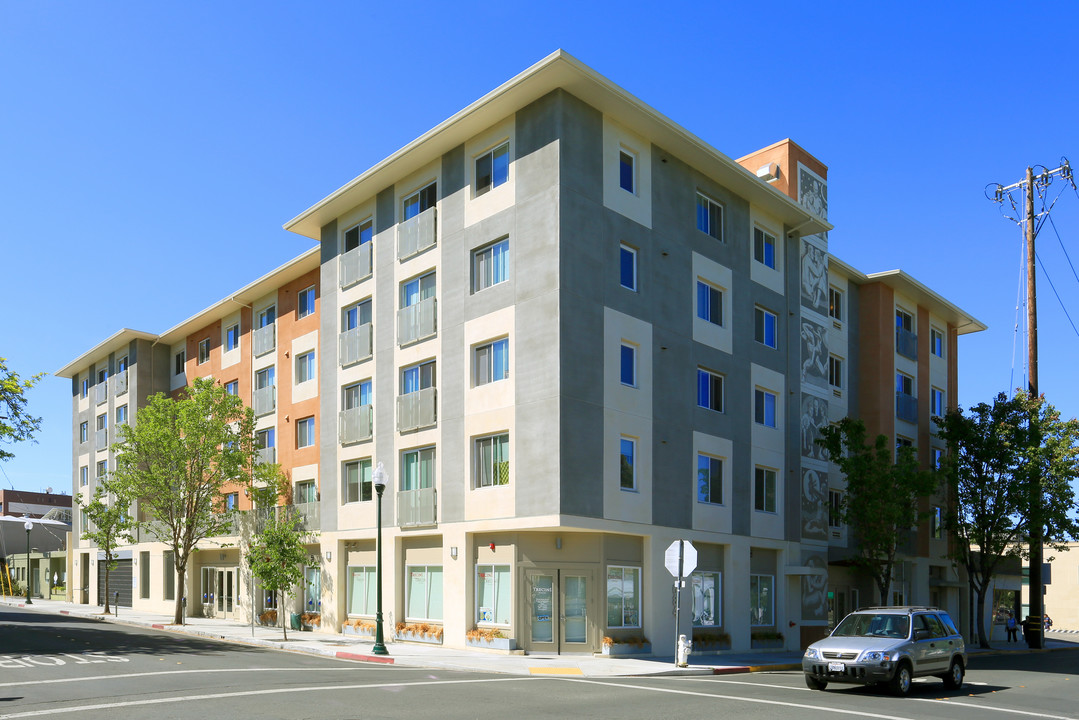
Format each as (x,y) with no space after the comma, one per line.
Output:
(417,409)
(906,407)
(354,425)
(416,234)
(355,345)
(416,507)
(101,439)
(355,265)
(416,322)
(266,455)
(309,514)
(119,382)
(906,343)
(264,339)
(264,400)
(101,392)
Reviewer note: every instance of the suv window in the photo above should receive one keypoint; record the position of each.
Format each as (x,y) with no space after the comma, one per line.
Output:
(948,624)
(936,627)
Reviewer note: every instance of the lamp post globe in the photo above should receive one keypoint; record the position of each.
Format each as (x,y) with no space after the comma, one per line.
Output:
(378,477)
(29,526)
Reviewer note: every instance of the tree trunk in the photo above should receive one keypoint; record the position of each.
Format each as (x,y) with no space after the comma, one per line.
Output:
(979,617)
(281,611)
(106,584)
(178,610)
(884,582)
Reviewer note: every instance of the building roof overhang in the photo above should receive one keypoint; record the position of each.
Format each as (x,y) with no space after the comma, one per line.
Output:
(557,70)
(117,341)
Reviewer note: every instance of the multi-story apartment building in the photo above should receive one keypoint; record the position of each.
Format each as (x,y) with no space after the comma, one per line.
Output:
(570,332)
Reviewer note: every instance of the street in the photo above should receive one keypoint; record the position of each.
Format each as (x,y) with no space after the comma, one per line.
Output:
(55,665)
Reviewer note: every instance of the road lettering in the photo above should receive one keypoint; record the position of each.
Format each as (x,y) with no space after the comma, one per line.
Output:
(11,662)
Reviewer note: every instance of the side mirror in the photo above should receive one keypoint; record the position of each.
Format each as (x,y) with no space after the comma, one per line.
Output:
(921,634)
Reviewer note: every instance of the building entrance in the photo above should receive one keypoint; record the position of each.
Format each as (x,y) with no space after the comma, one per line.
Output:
(561,610)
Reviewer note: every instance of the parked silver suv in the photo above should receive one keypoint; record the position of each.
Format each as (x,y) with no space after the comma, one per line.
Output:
(888,645)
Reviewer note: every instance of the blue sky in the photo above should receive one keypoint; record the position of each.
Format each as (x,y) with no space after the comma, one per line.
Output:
(150,152)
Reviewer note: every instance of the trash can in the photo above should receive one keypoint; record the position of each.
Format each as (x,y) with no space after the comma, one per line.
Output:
(294,621)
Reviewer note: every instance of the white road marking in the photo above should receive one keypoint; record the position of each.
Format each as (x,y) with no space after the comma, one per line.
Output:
(167,672)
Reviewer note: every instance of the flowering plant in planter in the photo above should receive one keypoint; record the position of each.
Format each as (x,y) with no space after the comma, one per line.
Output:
(640,642)
(361,625)
(484,634)
(312,619)
(422,630)
(710,639)
(268,617)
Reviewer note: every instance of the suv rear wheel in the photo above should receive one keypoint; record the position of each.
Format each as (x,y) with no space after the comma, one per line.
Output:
(900,684)
(954,679)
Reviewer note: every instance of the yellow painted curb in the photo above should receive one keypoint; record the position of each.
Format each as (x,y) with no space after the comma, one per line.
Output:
(555,671)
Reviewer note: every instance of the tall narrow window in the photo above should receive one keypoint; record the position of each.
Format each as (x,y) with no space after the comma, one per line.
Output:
(492,455)
(623,597)
(628,364)
(181,359)
(305,432)
(764,407)
(305,302)
(835,505)
(628,467)
(267,317)
(764,248)
(232,337)
(835,372)
(936,523)
(764,327)
(121,415)
(762,600)
(764,490)
(709,303)
(709,390)
(492,362)
(492,168)
(204,351)
(936,397)
(490,265)
(627,267)
(356,481)
(305,367)
(709,479)
(709,217)
(627,171)
(835,304)
(936,342)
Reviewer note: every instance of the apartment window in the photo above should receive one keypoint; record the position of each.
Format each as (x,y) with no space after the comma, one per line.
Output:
(490,265)
(492,362)
(761,600)
(267,317)
(356,481)
(232,387)
(102,469)
(102,376)
(102,421)
(356,315)
(305,432)
(764,407)
(904,320)
(936,402)
(306,493)
(231,501)
(902,442)
(84,431)
(356,395)
(492,455)
(362,584)
(493,593)
(764,327)
(709,303)
(121,415)
(423,597)
(707,593)
(360,234)
(835,504)
(936,342)
(627,171)
(204,351)
(421,288)
(181,359)
(709,217)
(623,597)
(305,302)
(936,523)
(492,168)
(709,390)
(627,267)
(938,456)
(627,463)
(232,337)
(305,367)
(835,304)
(628,365)
(419,201)
(265,438)
(418,377)
(84,388)
(835,372)
(764,490)
(764,248)
(84,476)
(709,479)
(418,469)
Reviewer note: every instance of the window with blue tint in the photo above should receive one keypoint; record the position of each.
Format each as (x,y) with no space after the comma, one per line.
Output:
(418,377)
(764,490)
(709,217)
(305,432)
(709,390)
(492,362)
(627,171)
(627,267)
(492,168)
(709,303)
(628,471)
(764,327)
(764,407)
(359,234)
(419,201)
(365,393)
(356,315)
(709,479)
(232,337)
(629,365)
(305,302)
(416,290)
(490,265)
(764,248)
(305,367)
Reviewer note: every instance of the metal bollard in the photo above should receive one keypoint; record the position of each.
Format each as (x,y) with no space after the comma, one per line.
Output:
(183,610)
(116,603)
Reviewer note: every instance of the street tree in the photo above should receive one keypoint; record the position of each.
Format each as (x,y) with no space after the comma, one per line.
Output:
(16,424)
(176,458)
(997,452)
(108,523)
(278,554)
(884,486)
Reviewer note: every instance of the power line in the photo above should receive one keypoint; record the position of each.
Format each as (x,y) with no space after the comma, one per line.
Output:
(1042,266)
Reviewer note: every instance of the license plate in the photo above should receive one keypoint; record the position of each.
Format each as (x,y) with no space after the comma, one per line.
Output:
(836,667)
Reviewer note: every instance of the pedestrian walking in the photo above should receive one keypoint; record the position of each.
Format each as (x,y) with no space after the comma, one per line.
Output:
(1012,627)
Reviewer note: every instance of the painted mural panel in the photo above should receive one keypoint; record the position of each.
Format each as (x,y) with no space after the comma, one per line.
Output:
(814,354)
(814,504)
(815,587)
(814,418)
(812,192)
(814,279)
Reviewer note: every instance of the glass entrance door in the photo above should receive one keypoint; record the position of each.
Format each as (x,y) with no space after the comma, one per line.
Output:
(558,611)
(226,591)
(542,610)
(574,598)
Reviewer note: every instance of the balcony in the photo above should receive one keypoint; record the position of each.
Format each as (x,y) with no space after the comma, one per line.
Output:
(906,407)
(417,409)
(309,514)
(354,425)
(416,234)
(119,382)
(101,439)
(354,345)
(906,343)
(416,322)
(416,508)
(266,455)
(101,392)
(264,340)
(355,265)
(264,400)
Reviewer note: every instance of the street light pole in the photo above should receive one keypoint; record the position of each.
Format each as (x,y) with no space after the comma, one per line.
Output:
(29,526)
(379,479)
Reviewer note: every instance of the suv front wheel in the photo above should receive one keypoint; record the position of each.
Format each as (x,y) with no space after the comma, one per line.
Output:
(900,684)
(954,679)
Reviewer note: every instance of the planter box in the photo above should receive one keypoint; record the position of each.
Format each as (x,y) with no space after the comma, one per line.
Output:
(412,637)
(493,643)
(624,649)
(704,648)
(353,630)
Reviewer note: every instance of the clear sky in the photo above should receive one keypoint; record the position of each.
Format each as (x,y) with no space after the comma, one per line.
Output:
(151,151)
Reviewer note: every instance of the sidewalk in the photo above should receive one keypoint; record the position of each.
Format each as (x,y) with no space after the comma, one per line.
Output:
(432,656)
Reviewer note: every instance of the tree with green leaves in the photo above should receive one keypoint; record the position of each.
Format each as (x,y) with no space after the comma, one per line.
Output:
(884,486)
(996,454)
(278,554)
(176,458)
(16,425)
(109,523)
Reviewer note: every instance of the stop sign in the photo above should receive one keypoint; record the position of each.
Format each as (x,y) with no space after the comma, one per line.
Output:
(689,558)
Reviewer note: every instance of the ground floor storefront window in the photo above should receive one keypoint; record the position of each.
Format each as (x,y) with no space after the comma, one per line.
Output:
(361,591)
(761,600)
(423,600)
(707,591)
(493,594)
(623,597)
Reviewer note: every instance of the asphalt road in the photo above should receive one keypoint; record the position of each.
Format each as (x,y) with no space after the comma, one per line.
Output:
(58,666)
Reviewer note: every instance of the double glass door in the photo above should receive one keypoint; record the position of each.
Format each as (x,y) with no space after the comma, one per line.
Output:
(218,590)
(559,612)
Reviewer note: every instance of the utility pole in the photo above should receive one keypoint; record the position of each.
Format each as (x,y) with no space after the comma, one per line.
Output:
(1034,633)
